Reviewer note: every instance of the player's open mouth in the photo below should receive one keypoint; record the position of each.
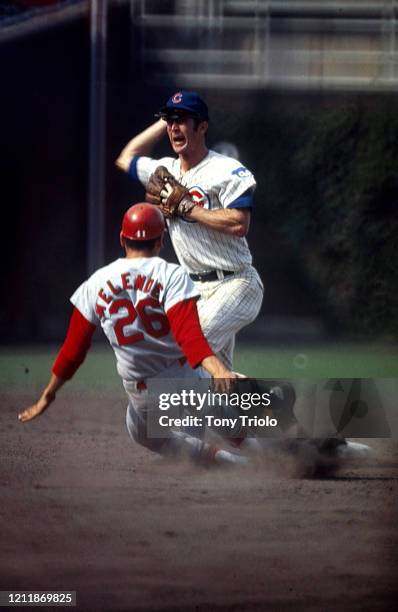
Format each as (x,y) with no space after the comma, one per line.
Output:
(179,140)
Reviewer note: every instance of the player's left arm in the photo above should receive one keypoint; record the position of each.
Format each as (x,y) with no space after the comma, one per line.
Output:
(69,359)
(236,198)
(179,302)
(47,397)
(231,221)
(184,322)
(185,325)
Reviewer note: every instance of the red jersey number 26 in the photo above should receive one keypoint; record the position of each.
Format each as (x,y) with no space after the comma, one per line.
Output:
(155,323)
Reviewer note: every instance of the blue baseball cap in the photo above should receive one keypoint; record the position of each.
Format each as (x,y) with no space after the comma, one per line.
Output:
(187,102)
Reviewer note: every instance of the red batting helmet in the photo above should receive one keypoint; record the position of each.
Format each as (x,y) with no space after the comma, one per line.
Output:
(142,221)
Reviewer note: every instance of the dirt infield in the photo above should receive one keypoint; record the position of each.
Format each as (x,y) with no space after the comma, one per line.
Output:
(83,508)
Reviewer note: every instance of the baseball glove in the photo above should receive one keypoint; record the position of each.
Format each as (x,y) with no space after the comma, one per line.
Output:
(165,191)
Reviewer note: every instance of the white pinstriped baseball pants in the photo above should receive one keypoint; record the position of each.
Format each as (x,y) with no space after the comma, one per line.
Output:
(227,306)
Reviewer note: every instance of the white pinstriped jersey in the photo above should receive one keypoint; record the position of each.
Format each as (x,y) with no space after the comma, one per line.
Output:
(216,182)
(129,298)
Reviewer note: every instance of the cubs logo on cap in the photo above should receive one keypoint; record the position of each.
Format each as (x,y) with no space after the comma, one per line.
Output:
(188,101)
(176,99)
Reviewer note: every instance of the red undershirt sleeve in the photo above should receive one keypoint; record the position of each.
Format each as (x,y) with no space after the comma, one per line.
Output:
(184,321)
(75,346)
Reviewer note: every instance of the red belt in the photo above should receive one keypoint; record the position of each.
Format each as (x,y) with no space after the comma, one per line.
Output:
(141,384)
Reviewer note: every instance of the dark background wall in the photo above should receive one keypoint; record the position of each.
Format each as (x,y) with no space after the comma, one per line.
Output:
(324,230)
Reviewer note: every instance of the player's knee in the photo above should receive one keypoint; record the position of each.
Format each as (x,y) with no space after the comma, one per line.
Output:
(137,427)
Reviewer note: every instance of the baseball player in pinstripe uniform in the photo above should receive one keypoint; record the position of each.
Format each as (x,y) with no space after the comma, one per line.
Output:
(147,309)
(208,231)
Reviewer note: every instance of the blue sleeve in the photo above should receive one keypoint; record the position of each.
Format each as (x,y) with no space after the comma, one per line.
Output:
(244,201)
(133,168)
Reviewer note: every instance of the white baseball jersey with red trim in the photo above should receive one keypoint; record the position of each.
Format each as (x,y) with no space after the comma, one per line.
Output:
(130,297)
(216,182)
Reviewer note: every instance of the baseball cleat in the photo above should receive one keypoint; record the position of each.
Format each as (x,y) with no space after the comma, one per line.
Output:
(353,451)
(341,449)
(224,457)
(211,455)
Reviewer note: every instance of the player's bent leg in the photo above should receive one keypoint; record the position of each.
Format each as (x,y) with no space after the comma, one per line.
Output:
(203,453)
(179,443)
(176,444)
(136,423)
(227,307)
(227,352)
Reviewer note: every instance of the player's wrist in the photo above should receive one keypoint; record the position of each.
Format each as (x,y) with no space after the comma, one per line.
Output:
(47,398)
(186,207)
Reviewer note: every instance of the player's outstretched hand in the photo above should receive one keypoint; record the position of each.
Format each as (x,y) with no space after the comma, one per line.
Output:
(222,377)
(223,385)
(47,398)
(38,408)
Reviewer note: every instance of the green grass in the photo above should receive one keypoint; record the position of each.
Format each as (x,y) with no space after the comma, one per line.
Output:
(320,361)
(28,368)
